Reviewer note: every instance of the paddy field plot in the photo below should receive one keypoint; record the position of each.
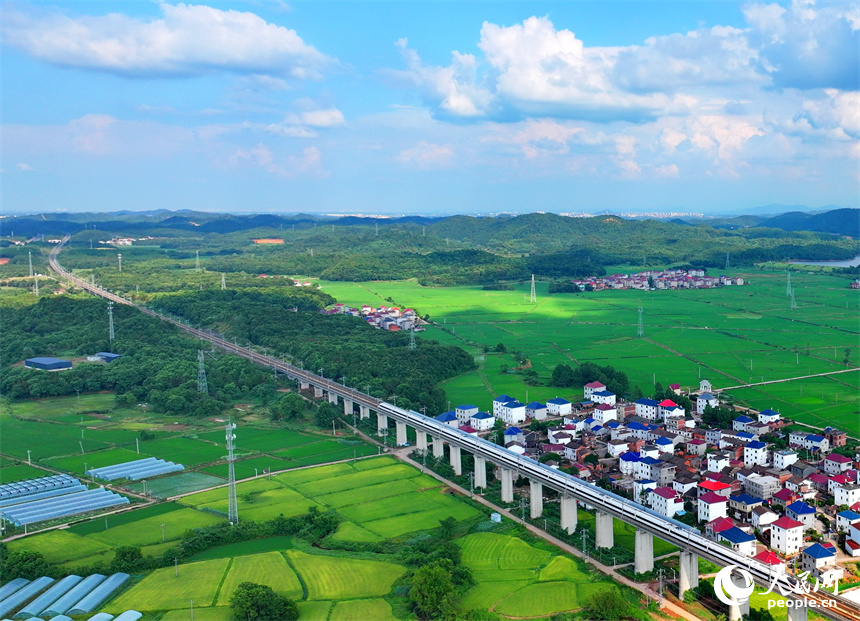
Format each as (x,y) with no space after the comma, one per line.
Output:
(542,598)
(161,590)
(149,531)
(9,472)
(347,531)
(313,611)
(78,464)
(350,610)
(220,613)
(185,451)
(270,568)
(59,546)
(328,577)
(255,546)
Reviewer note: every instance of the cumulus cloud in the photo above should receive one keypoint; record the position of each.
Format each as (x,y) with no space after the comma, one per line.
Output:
(426,155)
(187,40)
(808,46)
(538,137)
(331,117)
(24,167)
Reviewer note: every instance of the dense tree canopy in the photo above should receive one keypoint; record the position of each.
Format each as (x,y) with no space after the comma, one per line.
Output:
(258,602)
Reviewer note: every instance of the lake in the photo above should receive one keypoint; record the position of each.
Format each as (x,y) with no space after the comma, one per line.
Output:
(849,263)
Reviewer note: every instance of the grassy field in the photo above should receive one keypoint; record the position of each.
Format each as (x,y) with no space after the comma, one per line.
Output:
(517,579)
(715,334)
(376,609)
(270,568)
(59,546)
(329,577)
(148,530)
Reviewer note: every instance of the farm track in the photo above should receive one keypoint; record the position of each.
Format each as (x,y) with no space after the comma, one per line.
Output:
(691,359)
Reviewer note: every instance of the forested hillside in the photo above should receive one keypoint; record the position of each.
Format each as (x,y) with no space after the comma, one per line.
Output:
(341,347)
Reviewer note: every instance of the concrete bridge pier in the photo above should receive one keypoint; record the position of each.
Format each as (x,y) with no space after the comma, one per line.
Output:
(604,535)
(332,397)
(363,411)
(536,499)
(737,611)
(507,485)
(644,550)
(381,423)
(421,440)
(401,432)
(480,472)
(798,614)
(569,516)
(438,447)
(456,459)
(303,385)
(347,407)
(688,574)
(318,392)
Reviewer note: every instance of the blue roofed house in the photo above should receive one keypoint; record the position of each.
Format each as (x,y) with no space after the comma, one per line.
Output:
(448,418)
(704,400)
(482,421)
(536,410)
(820,561)
(513,413)
(106,356)
(603,396)
(665,445)
(558,407)
(739,540)
(742,505)
(755,454)
(768,417)
(846,519)
(647,408)
(513,434)
(498,402)
(627,463)
(465,412)
(641,490)
(803,513)
(740,423)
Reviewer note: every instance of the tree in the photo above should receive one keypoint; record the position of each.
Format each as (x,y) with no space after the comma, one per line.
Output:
(501,348)
(562,376)
(432,592)
(288,407)
(25,564)
(325,415)
(591,458)
(127,559)
(447,527)
(258,602)
(608,605)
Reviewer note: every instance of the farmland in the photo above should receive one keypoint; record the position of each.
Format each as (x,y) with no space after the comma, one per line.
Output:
(730,336)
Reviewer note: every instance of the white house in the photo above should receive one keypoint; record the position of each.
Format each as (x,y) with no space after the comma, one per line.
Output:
(739,540)
(762,517)
(647,408)
(465,412)
(852,540)
(803,513)
(642,489)
(558,407)
(666,501)
(603,396)
(448,418)
(782,459)
(670,410)
(755,454)
(712,506)
(589,389)
(740,423)
(835,464)
(603,413)
(820,561)
(482,421)
(786,535)
(512,412)
(846,494)
(536,410)
(846,519)
(499,402)
(718,461)
(768,417)
(704,400)
(627,463)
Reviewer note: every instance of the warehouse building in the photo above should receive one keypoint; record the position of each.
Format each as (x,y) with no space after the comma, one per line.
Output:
(47,364)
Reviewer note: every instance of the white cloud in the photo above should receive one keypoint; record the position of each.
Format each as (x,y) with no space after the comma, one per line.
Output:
(426,155)
(187,40)
(317,118)
(309,163)
(667,171)
(538,137)
(23,167)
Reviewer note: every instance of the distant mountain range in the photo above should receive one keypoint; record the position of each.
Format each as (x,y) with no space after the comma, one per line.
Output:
(841,221)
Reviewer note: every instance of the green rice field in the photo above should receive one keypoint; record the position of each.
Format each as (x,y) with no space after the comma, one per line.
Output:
(731,336)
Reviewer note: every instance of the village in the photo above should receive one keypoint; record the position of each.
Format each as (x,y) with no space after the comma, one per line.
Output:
(796,506)
(659,279)
(383,317)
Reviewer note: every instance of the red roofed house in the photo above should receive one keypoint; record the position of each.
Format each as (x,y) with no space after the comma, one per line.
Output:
(666,501)
(836,464)
(668,403)
(592,387)
(784,497)
(712,506)
(716,526)
(769,558)
(716,487)
(469,429)
(676,388)
(786,535)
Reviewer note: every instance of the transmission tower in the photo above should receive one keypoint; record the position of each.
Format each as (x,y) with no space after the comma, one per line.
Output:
(788,289)
(232,506)
(196,260)
(727,260)
(36,285)
(30,255)
(223,282)
(640,331)
(412,344)
(534,295)
(111,335)
(119,260)
(202,386)
(792,303)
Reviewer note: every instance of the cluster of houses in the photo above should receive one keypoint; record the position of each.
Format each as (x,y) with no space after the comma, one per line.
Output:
(659,279)
(770,503)
(389,318)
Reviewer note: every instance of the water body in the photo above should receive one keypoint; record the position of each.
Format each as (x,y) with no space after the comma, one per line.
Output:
(849,263)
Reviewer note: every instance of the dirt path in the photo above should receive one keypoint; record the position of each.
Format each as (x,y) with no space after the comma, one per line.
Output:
(787,379)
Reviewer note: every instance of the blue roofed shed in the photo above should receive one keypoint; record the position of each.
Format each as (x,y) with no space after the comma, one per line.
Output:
(47,364)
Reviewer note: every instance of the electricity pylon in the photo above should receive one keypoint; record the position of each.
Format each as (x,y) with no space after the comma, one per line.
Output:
(640,331)
(534,294)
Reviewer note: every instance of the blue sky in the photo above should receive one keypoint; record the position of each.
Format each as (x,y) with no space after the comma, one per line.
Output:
(430,107)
